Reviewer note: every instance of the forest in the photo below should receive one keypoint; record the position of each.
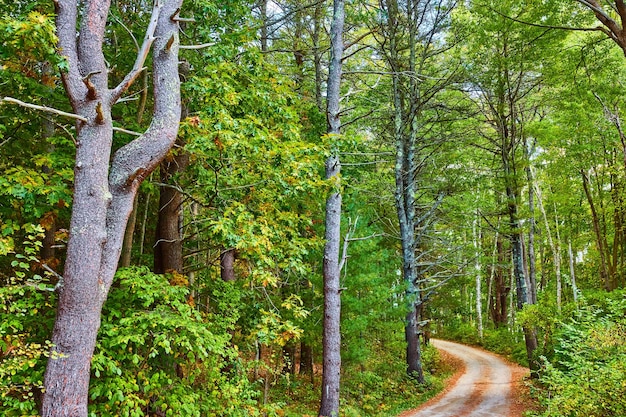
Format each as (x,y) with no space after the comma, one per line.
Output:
(269,207)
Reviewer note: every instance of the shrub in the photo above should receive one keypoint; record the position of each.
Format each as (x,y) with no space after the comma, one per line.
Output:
(586,375)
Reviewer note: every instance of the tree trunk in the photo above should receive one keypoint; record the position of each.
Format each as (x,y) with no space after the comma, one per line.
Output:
(478,277)
(168,248)
(404,193)
(492,271)
(532,258)
(227,265)
(501,287)
(264,34)
(557,262)
(520,278)
(554,245)
(604,273)
(103,191)
(515,237)
(331,342)
(572,270)
(127,245)
(306,360)
(289,358)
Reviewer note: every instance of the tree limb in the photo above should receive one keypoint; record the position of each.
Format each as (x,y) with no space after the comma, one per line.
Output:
(45,108)
(142,55)
(66,17)
(539,25)
(204,45)
(128,132)
(621,9)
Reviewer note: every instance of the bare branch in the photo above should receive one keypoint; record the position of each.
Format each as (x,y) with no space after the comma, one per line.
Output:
(356,164)
(52,271)
(363,116)
(360,38)
(595,7)
(128,132)
(204,45)
(346,240)
(539,25)
(45,108)
(128,31)
(142,55)
(372,236)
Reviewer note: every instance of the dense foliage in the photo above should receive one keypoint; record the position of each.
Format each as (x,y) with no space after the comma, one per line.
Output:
(585,374)
(516,153)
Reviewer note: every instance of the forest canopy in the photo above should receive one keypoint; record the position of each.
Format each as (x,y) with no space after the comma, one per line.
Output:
(264,208)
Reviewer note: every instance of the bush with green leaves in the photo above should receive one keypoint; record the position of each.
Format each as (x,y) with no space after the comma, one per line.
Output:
(586,375)
(26,318)
(157,354)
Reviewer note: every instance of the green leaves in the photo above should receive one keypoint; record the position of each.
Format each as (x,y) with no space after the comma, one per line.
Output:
(27,39)
(585,376)
(156,350)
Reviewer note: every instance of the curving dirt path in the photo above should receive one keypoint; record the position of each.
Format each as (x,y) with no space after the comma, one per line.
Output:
(484,389)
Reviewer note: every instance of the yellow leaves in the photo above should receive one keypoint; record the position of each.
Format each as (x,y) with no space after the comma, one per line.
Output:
(48,220)
(7,245)
(37,17)
(295,304)
(176,279)
(272,329)
(232,98)
(29,40)
(265,278)
(42,160)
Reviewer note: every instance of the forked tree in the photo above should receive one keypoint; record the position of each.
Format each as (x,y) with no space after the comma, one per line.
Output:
(104,186)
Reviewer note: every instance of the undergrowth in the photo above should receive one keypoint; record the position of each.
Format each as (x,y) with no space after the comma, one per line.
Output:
(378,388)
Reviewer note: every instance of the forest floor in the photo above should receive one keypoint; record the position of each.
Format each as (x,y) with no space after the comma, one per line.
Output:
(485,385)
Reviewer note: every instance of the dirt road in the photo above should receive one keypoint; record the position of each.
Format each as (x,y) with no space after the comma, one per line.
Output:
(483,390)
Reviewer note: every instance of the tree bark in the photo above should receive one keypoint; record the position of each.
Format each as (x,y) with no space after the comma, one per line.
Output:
(127,246)
(306,360)
(532,258)
(499,310)
(405,128)
(519,274)
(478,277)
(289,358)
(227,265)
(168,248)
(103,191)
(604,272)
(331,342)
(572,270)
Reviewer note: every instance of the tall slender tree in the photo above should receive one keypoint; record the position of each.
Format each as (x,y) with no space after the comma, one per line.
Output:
(329,405)
(411,46)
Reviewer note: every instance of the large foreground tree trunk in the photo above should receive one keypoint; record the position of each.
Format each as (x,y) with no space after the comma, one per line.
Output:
(331,342)
(103,191)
